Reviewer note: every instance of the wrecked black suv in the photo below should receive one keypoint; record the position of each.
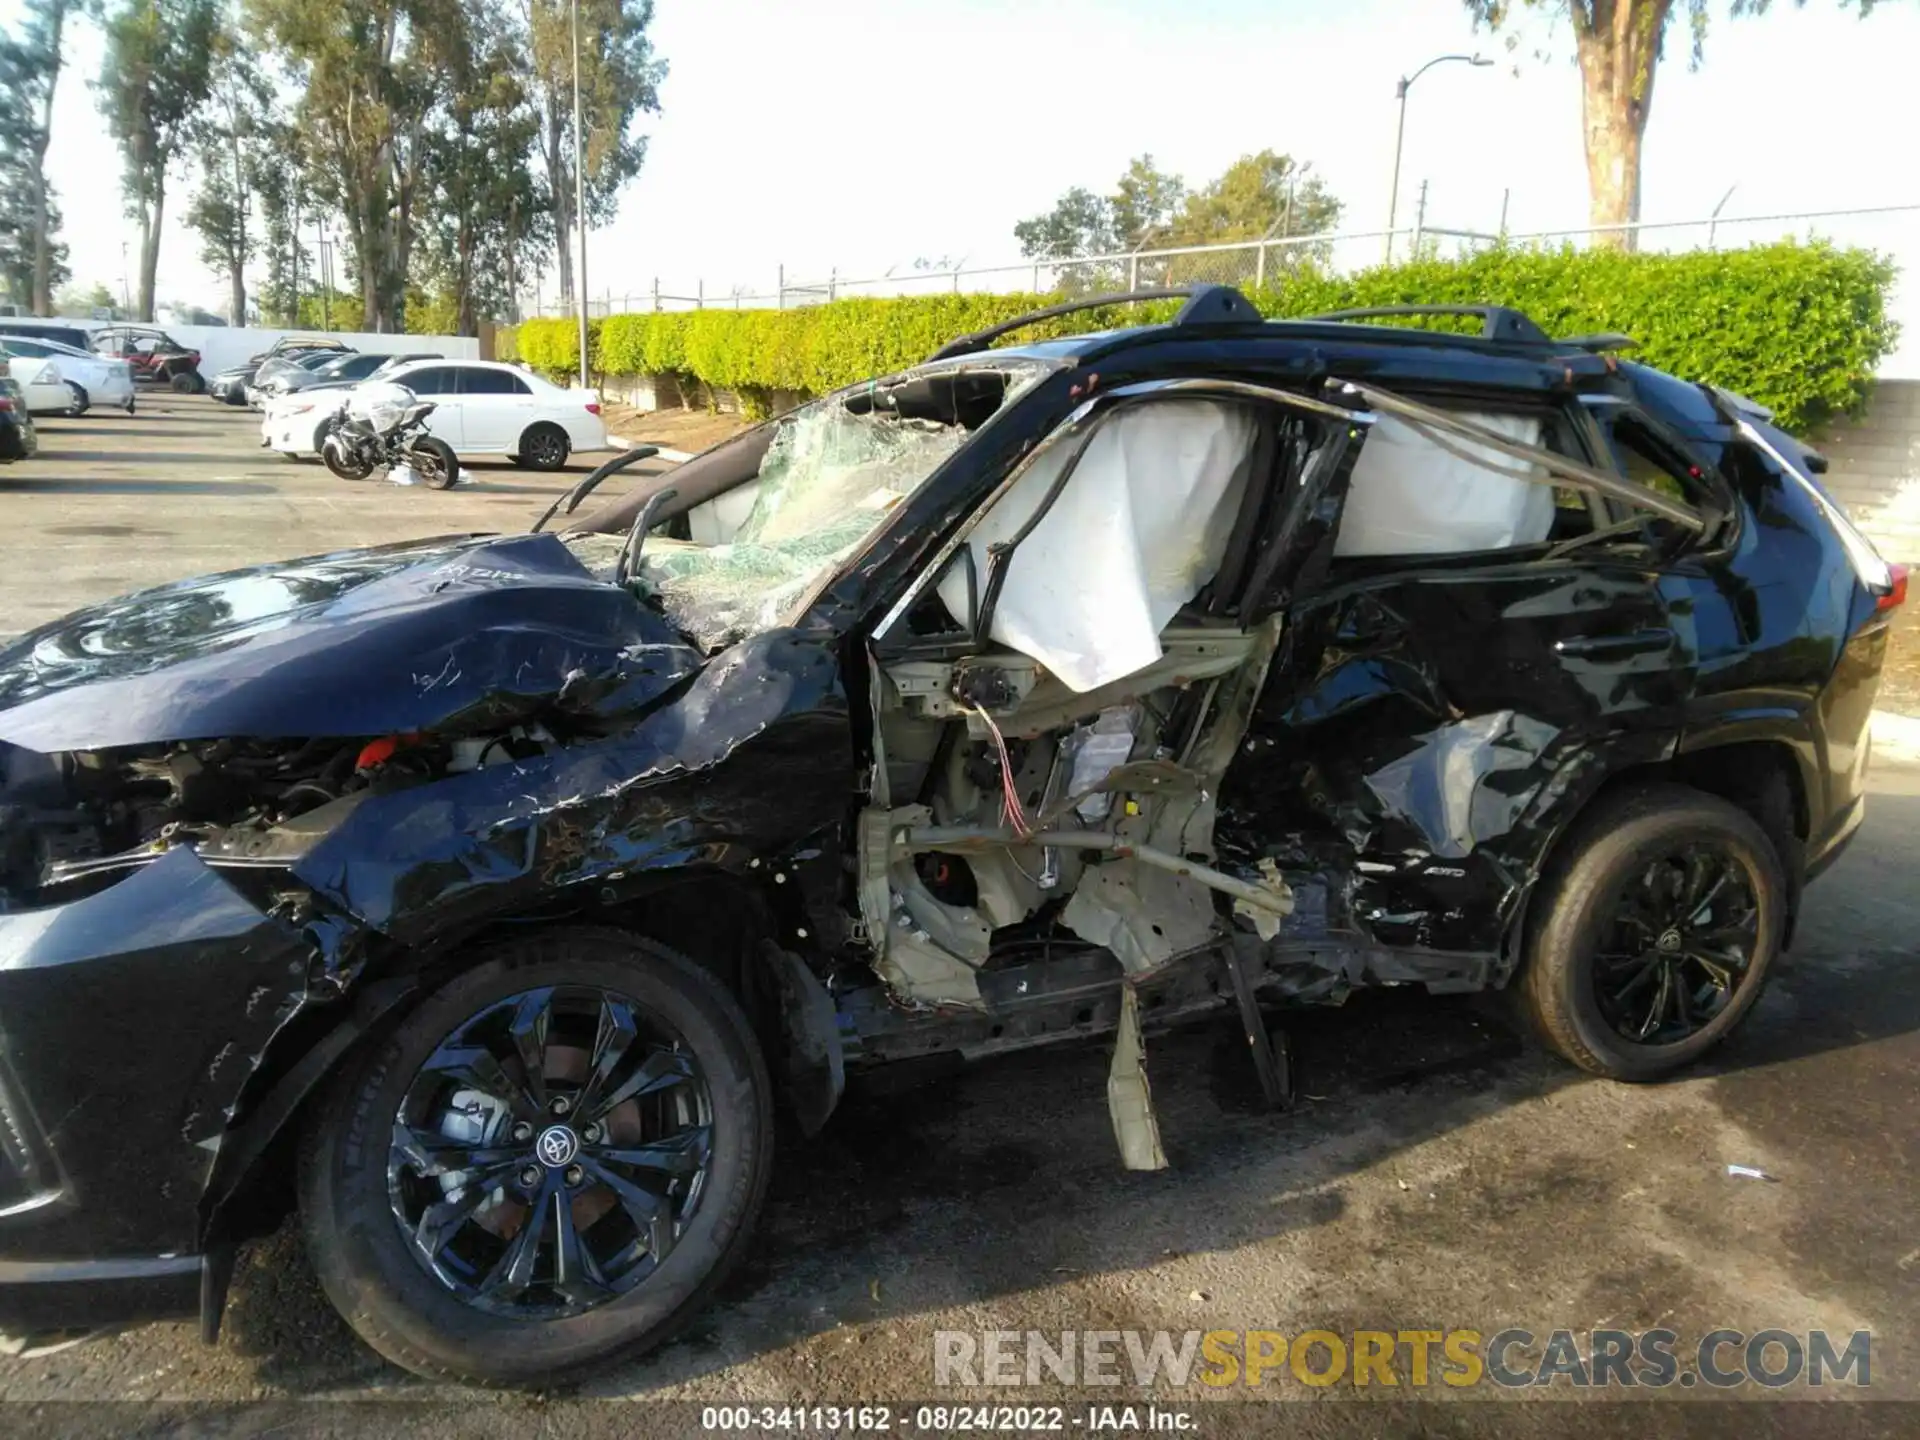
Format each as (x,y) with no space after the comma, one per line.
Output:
(487,893)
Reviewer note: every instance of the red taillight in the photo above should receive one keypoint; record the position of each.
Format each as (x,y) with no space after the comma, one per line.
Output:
(593,407)
(1897,596)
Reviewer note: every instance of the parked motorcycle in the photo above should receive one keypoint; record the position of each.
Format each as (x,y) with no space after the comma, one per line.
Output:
(384,426)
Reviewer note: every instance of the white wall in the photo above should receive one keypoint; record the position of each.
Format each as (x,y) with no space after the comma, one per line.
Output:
(221,346)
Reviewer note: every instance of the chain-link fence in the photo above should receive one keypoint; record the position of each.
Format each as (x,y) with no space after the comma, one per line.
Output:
(1892,229)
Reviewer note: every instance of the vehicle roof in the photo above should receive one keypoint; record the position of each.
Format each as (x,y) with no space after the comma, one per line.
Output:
(39,322)
(65,349)
(470,365)
(1326,334)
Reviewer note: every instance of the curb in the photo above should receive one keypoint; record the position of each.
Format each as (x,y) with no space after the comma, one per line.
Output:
(1896,737)
(676,457)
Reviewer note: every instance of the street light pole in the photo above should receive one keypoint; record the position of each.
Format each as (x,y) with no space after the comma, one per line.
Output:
(1400,134)
(579,197)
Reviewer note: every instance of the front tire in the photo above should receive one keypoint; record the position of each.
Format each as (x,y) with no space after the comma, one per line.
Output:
(1655,934)
(333,452)
(434,462)
(432,1154)
(544,447)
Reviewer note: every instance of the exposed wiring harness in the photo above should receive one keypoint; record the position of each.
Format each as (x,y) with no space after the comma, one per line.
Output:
(1011,810)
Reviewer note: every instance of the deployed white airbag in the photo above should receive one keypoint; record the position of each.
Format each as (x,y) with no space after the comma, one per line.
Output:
(1410,496)
(1141,525)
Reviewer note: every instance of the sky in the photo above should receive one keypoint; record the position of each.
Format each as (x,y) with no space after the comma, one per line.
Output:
(863,135)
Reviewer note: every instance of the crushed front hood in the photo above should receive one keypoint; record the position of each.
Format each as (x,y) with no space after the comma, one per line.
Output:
(465,630)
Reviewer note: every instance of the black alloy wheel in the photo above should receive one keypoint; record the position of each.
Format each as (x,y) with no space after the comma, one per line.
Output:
(1653,930)
(549,1153)
(554,1158)
(1681,941)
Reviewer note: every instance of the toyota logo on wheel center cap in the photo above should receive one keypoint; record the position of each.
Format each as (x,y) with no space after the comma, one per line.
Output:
(556,1146)
(1669,942)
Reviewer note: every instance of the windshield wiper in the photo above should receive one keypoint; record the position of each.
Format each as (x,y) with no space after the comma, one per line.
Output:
(571,500)
(629,560)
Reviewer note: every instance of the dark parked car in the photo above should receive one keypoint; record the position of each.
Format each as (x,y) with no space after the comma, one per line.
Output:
(1070,687)
(230,385)
(349,369)
(18,440)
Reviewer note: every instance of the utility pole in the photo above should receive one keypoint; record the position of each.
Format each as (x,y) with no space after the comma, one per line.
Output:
(326,278)
(513,242)
(294,232)
(1400,134)
(580,195)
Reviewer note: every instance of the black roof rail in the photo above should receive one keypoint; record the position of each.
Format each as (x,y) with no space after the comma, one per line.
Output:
(1497,322)
(1206,305)
(1603,342)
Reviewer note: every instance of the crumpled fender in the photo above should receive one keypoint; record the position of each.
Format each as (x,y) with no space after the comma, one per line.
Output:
(413,863)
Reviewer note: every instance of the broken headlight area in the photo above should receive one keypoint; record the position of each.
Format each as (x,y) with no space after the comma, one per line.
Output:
(72,822)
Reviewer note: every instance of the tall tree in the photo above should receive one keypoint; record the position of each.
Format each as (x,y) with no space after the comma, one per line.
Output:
(486,207)
(30,65)
(1144,203)
(156,76)
(235,145)
(1619,45)
(1259,197)
(620,80)
(18,255)
(369,74)
(1080,223)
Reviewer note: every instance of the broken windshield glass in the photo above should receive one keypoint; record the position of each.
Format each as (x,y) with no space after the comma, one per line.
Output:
(830,479)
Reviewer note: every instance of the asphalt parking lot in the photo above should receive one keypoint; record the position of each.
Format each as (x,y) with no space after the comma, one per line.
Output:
(1440,1172)
(114,502)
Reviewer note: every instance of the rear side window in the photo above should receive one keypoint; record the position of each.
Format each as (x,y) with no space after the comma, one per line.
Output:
(491,382)
(434,380)
(1641,458)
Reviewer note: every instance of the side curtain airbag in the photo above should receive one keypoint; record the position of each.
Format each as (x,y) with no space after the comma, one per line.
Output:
(1409,496)
(1140,527)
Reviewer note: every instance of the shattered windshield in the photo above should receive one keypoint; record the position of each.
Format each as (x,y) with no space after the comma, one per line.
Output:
(834,472)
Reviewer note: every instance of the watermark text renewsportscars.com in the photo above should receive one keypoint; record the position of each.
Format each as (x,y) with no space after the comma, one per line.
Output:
(1722,1359)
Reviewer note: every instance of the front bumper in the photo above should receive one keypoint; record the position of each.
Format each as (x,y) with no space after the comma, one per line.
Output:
(42,1295)
(290,434)
(131,1021)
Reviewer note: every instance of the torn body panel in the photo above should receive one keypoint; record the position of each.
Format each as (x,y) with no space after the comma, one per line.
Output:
(171,986)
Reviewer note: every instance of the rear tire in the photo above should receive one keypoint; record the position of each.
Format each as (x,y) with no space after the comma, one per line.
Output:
(81,401)
(1651,878)
(544,447)
(441,466)
(373,1271)
(181,382)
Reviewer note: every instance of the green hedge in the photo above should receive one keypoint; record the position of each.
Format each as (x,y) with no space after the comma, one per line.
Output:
(1798,327)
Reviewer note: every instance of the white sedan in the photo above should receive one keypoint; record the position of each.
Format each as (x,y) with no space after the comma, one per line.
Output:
(82,378)
(40,384)
(480,408)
